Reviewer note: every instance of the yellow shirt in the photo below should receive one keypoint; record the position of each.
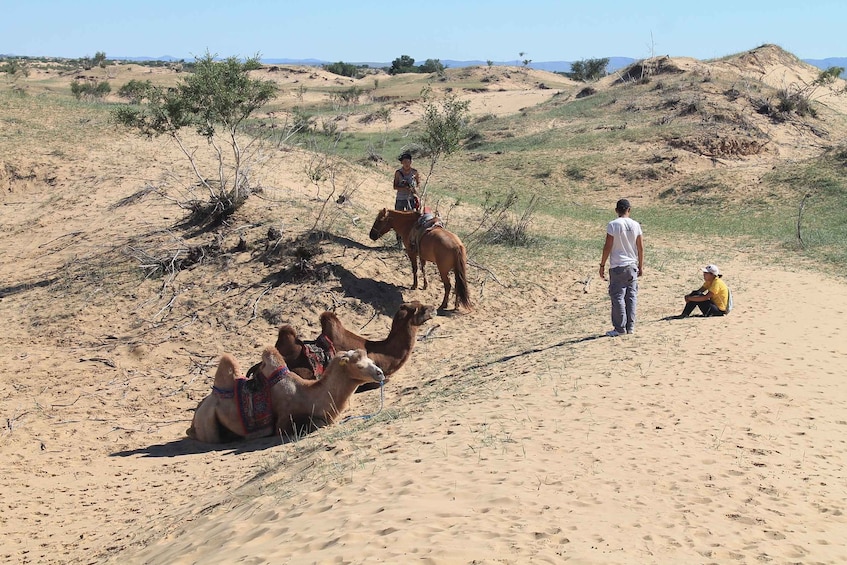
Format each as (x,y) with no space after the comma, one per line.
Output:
(720,293)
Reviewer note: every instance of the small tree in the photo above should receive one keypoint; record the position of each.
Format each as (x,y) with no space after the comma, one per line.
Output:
(402,64)
(444,127)
(432,66)
(342,68)
(216,100)
(587,70)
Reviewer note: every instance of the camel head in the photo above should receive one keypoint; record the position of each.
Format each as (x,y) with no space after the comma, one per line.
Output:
(382,225)
(415,313)
(272,361)
(359,366)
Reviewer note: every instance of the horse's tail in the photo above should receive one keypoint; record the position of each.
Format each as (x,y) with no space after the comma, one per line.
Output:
(461,271)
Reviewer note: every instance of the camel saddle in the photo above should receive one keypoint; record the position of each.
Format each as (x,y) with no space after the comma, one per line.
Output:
(253,398)
(319,354)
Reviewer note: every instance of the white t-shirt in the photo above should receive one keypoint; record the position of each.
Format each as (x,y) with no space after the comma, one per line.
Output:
(625,231)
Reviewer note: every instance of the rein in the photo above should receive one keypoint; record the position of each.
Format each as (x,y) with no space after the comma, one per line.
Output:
(223,393)
(369,416)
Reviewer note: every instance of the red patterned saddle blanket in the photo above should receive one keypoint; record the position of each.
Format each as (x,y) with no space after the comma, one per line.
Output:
(319,354)
(253,398)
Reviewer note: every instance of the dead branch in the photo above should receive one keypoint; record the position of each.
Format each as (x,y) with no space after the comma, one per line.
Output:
(70,234)
(586,284)
(256,303)
(487,270)
(424,336)
(103,360)
(180,389)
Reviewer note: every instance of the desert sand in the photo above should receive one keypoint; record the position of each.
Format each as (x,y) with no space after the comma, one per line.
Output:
(517,432)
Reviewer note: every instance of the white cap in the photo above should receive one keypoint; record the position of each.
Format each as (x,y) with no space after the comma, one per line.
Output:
(712,269)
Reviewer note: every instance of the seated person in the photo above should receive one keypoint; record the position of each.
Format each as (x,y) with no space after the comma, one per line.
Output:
(712,298)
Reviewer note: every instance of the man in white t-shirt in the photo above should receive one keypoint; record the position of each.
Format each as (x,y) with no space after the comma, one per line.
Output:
(624,249)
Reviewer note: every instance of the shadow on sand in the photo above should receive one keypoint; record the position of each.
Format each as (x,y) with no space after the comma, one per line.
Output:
(188,446)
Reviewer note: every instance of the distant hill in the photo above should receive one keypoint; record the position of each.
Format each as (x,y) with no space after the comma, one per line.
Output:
(615,63)
(829,62)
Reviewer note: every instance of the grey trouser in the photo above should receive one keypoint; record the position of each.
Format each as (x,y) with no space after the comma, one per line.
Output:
(404,203)
(623,290)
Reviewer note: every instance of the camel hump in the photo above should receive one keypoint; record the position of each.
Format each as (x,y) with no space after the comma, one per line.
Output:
(271,356)
(287,330)
(228,358)
(328,318)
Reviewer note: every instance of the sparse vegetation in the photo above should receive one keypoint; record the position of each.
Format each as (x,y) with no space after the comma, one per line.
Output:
(15,69)
(215,100)
(346,98)
(91,90)
(444,125)
(500,224)
(406,64)
(346,69)
(588,70)
(135,90)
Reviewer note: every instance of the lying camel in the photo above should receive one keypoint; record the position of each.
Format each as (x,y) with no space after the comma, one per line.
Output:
(220,416)
(302,406)
(392,352)
(276,400)
(389,354)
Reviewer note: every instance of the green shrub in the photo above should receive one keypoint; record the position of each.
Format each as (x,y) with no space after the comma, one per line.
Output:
(588,69)
(216,100)
(135,90)
(90,89)
(343,69)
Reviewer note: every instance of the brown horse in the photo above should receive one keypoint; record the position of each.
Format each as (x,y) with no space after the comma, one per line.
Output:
(437,245)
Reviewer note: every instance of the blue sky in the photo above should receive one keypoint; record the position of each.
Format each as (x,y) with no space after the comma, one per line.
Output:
(380,31)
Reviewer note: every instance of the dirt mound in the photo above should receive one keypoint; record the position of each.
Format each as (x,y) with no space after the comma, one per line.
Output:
(649,67)
(720,146)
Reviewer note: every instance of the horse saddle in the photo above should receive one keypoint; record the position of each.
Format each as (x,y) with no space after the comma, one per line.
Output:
(428,221)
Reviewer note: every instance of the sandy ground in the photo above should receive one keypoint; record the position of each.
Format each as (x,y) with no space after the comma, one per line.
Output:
(517,433)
